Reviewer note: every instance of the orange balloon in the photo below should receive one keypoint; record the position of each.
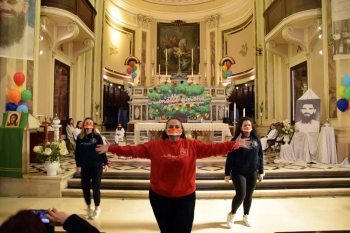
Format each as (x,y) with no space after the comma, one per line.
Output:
(14,96)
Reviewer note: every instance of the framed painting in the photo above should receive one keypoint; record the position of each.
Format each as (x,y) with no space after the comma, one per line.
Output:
(175,44)
(13,119)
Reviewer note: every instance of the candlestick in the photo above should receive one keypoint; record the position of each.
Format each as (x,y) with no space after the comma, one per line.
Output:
(205,55)
(243,112)
(166,54)
(153,54)
(205,75)
(159,69)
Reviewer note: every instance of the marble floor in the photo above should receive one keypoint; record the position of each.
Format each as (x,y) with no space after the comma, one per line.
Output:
(268,215)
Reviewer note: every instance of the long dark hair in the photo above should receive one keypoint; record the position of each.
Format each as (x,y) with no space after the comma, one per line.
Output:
(24,221)
(78,124)
(165,135)
(239,126)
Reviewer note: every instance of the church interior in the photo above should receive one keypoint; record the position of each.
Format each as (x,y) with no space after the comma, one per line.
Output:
(207,62)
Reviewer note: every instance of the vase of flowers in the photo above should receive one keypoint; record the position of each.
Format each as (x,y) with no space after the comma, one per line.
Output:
(49,153)
(287,130)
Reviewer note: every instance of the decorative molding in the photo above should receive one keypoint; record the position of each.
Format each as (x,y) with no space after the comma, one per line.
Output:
(212,20)
(278,49)
(113,50)
(44,23)
(143,21)
(244,49)
(81,47)
(294,35)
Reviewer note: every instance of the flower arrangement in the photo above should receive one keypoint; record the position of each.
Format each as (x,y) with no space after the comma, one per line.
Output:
(49,151)
(286,128)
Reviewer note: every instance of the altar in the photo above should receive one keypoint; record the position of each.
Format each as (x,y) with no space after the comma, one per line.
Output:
(189,127)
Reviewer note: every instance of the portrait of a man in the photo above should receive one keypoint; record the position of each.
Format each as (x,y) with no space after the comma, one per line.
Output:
(308,115)
(13,119)
(17,29)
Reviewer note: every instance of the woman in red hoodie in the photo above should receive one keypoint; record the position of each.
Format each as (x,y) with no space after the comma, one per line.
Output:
(173,172)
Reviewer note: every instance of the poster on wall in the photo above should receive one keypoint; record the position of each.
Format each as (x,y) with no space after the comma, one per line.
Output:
(17,29)
(341,29)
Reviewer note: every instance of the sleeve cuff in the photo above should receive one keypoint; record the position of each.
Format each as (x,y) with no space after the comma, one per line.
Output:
(236,146)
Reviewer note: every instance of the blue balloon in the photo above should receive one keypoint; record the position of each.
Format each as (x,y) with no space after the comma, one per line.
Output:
(229,73)
(22,108)
(11,106)
(134,74)
(342,105)
(346,80)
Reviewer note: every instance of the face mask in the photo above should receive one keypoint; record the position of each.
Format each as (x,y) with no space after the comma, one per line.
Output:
(247,129)
(89,126)
(174,133)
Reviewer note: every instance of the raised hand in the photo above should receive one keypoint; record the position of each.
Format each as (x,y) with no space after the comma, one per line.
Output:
(103,148)
(243,142)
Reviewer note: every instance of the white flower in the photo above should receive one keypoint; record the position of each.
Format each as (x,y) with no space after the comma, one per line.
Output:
(37,149)
(63,152)
(47,151)
(62,146)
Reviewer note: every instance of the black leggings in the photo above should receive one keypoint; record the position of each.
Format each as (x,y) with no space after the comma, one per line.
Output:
(173,214)
(94,174)
(244,186)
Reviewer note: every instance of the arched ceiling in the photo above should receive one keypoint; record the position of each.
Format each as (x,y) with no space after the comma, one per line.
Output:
(181,9)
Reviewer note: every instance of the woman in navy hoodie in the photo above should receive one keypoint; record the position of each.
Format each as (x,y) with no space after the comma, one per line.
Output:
(245,166)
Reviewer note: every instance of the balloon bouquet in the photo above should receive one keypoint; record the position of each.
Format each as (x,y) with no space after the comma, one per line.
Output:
(226,64)
(17,96)
(132,62)
(343,91)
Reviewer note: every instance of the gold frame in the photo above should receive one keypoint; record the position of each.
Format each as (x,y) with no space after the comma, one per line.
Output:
(8,119)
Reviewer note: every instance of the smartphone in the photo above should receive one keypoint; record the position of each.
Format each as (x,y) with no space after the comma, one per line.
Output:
(42,215)
(46,221)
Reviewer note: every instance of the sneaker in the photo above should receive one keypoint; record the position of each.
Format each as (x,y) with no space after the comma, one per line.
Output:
(230,218)
(88,212)
(246,220)
(96,214)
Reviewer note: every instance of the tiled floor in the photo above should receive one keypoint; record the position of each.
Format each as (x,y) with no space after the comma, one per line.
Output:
(271,163)
(268,215)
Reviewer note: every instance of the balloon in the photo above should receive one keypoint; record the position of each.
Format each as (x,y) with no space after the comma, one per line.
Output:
(134,68)
(22,108)
(18,88)
(340,91)
(134,75)
(26,95)
(19,78)
(132,63)
(129,70)
(14,96)
(347,93)
(342,105)
(23,103)
(346,80)
(11,106)
(224,68)
(349,104)
(228,64)
(224,76)
(229,73)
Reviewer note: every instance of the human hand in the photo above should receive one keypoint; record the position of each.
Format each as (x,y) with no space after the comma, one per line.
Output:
(260,177)
(103,148)
(105,168)
(227,179)
(77,169)
(243,142)
(56,218)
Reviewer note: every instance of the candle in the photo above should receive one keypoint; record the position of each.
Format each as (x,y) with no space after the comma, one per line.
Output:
(159,69)
(192,55)
(166,54)
(244,112)
(152,71)
(205,55)
(234,113)
(153,54)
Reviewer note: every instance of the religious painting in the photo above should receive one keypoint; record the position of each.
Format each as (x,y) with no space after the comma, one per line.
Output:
(13,119)
(178,47)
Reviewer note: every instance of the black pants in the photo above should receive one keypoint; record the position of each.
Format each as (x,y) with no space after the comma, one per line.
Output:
(94,174)
(244,185)
(173,215)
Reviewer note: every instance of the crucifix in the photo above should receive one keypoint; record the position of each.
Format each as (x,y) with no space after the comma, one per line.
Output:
(179,53)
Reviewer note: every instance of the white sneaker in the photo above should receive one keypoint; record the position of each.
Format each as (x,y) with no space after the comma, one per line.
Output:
(88,212)
(230,217)
(96,214)
(246,220)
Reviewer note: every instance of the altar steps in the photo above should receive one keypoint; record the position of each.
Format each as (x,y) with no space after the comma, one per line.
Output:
(130,178)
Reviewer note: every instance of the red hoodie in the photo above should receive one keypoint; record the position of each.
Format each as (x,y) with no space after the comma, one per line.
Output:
(173,163)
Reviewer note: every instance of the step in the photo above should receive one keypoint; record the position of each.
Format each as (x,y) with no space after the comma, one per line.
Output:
(220,194)
(120,184)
